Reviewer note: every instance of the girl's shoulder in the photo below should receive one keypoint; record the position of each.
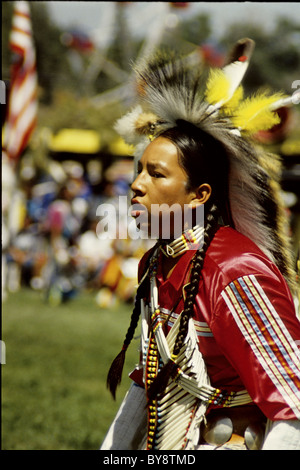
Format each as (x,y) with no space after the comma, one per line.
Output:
(235,255)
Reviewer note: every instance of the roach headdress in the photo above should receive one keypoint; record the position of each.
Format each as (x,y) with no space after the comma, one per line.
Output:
(171,89)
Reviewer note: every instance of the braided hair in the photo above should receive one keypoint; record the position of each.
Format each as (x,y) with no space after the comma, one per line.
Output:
(198,153)
(170,368)
(114,375)
(211,227)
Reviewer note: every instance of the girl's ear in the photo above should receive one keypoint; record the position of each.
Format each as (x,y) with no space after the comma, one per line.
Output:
(200,195)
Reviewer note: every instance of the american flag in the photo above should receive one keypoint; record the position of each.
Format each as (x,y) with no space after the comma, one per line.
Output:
(21,115)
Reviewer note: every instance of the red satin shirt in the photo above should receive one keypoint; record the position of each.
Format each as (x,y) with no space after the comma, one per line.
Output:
(244,314)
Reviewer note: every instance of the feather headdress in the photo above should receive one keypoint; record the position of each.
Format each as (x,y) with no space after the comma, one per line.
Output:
(170,90)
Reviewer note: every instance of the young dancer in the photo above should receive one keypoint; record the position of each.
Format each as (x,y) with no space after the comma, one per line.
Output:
(220,361)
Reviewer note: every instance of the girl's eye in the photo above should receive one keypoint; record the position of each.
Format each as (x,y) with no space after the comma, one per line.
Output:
(156,174)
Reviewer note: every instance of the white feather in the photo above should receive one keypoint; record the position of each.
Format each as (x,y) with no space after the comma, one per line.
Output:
(125,126)
(235,73)
(287,101)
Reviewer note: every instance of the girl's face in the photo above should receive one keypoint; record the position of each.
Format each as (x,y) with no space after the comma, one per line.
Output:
(160,191)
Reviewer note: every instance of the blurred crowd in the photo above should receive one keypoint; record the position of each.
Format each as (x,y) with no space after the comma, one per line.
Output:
(49,237)
(50,230)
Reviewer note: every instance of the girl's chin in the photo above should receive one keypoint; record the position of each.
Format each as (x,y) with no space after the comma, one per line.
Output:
(154,227)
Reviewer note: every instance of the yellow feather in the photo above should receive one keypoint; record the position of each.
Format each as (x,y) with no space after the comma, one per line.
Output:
(217,88)
(255,115)
(229,107)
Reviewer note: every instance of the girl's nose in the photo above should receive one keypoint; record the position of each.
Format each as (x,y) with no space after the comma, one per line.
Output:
(138,186)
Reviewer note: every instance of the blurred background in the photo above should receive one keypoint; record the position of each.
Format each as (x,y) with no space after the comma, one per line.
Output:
(66,294)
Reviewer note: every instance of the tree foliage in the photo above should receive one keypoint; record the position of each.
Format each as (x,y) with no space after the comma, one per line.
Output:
(65,91)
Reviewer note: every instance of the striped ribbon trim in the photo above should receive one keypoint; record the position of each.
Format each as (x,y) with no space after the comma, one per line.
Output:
(267,336)
(201,327)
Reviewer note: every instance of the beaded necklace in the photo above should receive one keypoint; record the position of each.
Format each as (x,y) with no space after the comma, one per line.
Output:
(190,239)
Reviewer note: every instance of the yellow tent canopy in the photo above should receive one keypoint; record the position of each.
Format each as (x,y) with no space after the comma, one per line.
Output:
(119,147)
(76,141)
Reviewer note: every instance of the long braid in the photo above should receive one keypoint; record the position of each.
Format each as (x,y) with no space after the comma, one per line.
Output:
(211,226)
(160,382)
(114,375)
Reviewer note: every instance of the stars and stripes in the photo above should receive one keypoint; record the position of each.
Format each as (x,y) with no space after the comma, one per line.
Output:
(267,336)
(22,103)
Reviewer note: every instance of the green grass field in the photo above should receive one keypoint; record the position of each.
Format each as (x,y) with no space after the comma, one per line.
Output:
(54,394)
